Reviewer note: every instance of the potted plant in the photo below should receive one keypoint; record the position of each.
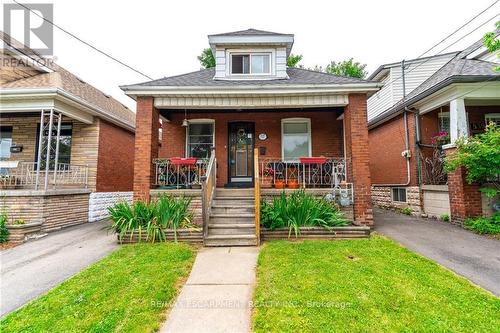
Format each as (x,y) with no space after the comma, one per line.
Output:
(267,177)
(279,184)
(293,184)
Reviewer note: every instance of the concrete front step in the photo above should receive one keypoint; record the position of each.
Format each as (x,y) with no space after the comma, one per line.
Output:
(231,240)
(232,202)
(232,210)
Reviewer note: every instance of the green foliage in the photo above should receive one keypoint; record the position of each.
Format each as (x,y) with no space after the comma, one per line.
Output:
(293,60)
(4,232)
(364,285)
(347,68)
(128,291)
(492,43)
(480,155)
(484,225)
(206,58)
(151,218)
(406,210)
(300,209)
(445,217)
(19,222)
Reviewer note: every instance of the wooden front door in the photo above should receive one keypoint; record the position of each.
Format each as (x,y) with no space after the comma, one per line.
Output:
(240,150)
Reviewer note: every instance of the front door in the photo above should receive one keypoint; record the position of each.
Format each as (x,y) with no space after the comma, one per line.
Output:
(241,142)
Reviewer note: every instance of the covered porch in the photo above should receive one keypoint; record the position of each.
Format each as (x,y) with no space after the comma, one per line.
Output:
(323,147)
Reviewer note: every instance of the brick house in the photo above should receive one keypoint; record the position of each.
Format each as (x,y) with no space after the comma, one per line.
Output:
(66,147)
(266,122)
(423,107)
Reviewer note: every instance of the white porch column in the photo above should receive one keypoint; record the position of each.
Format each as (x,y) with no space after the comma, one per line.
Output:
(458,120)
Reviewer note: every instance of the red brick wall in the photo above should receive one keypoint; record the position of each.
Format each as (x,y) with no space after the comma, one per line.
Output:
(115,161)
(146,146)
(387,142)
(326,134)
(357,148)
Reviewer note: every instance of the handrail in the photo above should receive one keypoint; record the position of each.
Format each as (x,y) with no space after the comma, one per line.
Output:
(256,193)
(208,189)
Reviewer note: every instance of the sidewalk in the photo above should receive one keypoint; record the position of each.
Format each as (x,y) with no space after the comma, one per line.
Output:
(217,295)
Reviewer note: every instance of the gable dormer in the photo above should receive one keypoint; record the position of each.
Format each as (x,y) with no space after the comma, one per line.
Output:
(250,55)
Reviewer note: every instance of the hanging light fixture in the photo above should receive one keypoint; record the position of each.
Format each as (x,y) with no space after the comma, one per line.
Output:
(185,121)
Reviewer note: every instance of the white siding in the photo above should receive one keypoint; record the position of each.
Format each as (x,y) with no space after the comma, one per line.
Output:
(281,63)
(415,74)
(220,63)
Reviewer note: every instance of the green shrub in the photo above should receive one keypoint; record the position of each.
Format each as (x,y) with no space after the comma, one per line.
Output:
(445,217)
(406,210)
(484,225)
(300,209)
(151,218)
(4,232)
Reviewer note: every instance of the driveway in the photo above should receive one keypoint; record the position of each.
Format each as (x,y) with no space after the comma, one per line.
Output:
(470,255)
(33,268)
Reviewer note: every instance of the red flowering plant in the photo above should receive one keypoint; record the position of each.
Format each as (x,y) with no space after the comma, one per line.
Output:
(440,139)
(267,171)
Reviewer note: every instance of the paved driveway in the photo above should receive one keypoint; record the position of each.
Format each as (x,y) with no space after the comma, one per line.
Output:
(33,268)
(473,256)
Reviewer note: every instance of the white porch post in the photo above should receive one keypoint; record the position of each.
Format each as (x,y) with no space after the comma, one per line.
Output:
(49,145)
(458,120)
(40,147)
(56,161)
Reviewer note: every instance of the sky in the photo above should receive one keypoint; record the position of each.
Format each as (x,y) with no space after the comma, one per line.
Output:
(163,38)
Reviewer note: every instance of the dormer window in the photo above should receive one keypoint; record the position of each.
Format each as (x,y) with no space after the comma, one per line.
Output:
(251,63)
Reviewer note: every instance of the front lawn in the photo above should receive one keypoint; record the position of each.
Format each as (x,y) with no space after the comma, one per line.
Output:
(371,285)
(127,291)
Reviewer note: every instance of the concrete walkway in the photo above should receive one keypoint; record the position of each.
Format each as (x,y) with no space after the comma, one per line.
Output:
(31,269)
(473,256)
(217,294)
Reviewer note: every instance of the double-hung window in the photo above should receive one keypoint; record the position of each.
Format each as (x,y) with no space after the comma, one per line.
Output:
(295,138)
(251,63)
(200,139)
(444,122)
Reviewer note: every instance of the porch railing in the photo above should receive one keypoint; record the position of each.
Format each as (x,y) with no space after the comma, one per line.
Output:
(209,181)
(169,172)
(18,175)
(311,173)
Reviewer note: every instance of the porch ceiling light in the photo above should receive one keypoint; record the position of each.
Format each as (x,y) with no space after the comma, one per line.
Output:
(185,121)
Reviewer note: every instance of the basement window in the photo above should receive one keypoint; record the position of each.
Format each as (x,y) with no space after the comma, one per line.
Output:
(399,194)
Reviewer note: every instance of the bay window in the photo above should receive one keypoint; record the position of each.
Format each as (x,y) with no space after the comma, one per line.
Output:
(295,138)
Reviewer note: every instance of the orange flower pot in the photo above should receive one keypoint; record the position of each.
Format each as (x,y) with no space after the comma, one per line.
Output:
(279,184)
(293,184)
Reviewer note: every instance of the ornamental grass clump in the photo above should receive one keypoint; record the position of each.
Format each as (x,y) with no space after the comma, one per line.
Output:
(151,218)
(300,209)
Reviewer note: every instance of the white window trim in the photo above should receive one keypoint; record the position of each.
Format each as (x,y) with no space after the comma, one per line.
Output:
(229,59)
(491,117)
(399,188)
(295,120)
(197,121)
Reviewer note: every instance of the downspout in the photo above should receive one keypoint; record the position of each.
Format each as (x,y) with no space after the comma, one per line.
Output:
(406,152)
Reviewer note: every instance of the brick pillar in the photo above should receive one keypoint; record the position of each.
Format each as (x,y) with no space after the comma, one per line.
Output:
(465,198)
(146,146)
(356,143)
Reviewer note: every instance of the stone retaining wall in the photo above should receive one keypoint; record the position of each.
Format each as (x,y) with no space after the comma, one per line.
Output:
(348,232)
(382,197)
(101,201)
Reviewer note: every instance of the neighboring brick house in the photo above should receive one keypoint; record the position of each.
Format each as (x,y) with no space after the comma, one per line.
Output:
(252,100)
(446,96)
(91,136)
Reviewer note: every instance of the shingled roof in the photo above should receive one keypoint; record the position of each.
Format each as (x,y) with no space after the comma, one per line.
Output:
(458,70)
(205,78)
(62,79)
(251,32)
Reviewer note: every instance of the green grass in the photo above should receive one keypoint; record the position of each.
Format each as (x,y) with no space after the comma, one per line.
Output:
(370,285)
(128,291)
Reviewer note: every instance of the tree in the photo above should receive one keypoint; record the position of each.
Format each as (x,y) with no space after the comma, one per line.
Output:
(347,68)
(293,60)
(480,156)
(206,58)
(492,43)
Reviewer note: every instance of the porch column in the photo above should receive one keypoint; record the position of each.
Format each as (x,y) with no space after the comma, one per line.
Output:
(458,120)
(465,198)
(146,146)
(356,148)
